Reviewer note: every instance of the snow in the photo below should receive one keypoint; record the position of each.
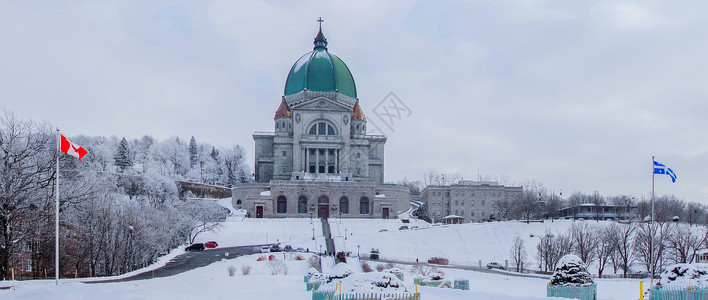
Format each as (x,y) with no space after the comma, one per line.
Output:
(341,270)
(265,193)
(462,244)
(374,282)
(679,275)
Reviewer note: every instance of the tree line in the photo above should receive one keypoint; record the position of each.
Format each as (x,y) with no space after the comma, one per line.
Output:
(119,207)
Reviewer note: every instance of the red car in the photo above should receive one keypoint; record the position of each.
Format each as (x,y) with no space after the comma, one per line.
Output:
(438,261)
(211,244)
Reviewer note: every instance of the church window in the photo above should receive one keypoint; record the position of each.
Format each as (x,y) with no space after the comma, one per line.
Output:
(457,202)
(323,200)
(322,128)
(238,202)
(330,169)
(457,212)
(371,155)
(321,152)
(285,170)
(312,151)
(482,214)
(358,155)
(456,193)
(482,202)
(331,151)
(472,202)
(285,153)
(344,205)
(364,206)
(462,202)
(302,205)
(358,171)
(472,213)
(472,194)
(282,205)
(462,213)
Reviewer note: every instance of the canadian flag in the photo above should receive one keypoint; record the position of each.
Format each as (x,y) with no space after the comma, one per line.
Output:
(72,149)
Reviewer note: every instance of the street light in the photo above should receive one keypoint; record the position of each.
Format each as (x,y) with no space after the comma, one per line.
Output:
(357,251)
(541,240)
(345,233)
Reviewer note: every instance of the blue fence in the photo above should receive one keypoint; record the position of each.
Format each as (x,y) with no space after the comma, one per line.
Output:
(585,292)
(676,293)
(331,295)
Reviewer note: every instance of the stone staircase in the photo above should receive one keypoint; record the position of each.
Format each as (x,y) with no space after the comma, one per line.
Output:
(329,242)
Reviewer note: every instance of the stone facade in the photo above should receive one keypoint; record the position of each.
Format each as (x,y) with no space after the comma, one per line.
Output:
(471,200)
(319,137)
(306,198)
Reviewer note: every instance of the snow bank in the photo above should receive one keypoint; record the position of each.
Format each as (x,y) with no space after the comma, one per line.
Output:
(679,276)
(373,282)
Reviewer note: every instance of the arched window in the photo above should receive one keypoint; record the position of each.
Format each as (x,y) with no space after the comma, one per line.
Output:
(364,206)
(323,200)
(282,205)
(344,205)
(322,128)
(238,202)
(302,205)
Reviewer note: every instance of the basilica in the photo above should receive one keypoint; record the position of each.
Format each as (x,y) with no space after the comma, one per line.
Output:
(319,161)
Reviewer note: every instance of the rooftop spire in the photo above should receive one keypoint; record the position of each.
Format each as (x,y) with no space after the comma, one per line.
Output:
(320,40)
(357,114)
(283,110)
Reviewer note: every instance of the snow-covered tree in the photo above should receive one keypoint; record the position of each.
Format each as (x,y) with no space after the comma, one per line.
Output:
(123,157)
(571,270)
(193,153)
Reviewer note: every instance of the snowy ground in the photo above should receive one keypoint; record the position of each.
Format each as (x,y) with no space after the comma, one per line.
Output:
(463,244)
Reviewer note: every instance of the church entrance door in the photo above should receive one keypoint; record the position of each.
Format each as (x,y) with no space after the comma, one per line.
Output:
(385,212)
(323,211)
(259,211)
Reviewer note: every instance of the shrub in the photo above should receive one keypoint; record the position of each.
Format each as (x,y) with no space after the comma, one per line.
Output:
(366,268)
(261,258)
(299,257)
(245,269)
(277,266)
(422,269)
(314,262)
(232,270)
(271,257)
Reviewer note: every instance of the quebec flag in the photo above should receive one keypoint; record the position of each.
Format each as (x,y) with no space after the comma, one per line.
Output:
(662,169)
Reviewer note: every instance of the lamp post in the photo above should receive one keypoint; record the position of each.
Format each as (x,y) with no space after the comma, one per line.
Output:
(357,251)
(345,233)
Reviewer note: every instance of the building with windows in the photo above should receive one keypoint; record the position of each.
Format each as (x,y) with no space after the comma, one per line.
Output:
(590,211)
(473,201)
(319,160)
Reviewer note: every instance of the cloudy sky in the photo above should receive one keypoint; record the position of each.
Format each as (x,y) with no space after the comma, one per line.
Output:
(576,94)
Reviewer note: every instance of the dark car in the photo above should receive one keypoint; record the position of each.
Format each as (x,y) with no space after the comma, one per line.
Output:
(195,247)
(374,254)
(211,244)
(275,248)
(438,261)
(288,248)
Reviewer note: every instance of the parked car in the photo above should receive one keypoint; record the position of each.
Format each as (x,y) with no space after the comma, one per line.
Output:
(211,244)
(438,260)
(404,227)
(300,249)
(275,248)
(495,265)
(383,230)
(265,249)
(195,247)
(288,248)
(374,254)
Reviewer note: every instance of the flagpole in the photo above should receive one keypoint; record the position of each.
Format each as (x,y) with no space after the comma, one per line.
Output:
(651,235)
(56,223)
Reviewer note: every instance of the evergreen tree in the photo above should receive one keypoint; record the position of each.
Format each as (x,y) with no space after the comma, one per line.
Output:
(193,153)
(123,156)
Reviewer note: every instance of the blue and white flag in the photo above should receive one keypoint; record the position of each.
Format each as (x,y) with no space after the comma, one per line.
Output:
(662,169)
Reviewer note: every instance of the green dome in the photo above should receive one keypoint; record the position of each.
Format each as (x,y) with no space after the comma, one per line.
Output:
(320,71)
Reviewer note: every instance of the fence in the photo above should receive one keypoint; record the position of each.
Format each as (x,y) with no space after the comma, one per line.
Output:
(677,293)
(330,295)
(586,292)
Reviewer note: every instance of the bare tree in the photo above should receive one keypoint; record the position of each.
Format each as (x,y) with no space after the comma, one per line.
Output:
(605,249)
(598,205)
(622,235)
(518,253)
(586,240)
(685,241)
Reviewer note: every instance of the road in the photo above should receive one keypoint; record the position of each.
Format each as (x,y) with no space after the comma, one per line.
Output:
(191,260)
(464,267)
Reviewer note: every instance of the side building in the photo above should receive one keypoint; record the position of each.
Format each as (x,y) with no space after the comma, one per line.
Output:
(467,201)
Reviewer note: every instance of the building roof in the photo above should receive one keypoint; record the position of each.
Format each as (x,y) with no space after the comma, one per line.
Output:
(283,110)
(320,71)
(358,114)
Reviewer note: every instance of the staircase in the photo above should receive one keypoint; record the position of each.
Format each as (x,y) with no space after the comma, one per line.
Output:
(328,236)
